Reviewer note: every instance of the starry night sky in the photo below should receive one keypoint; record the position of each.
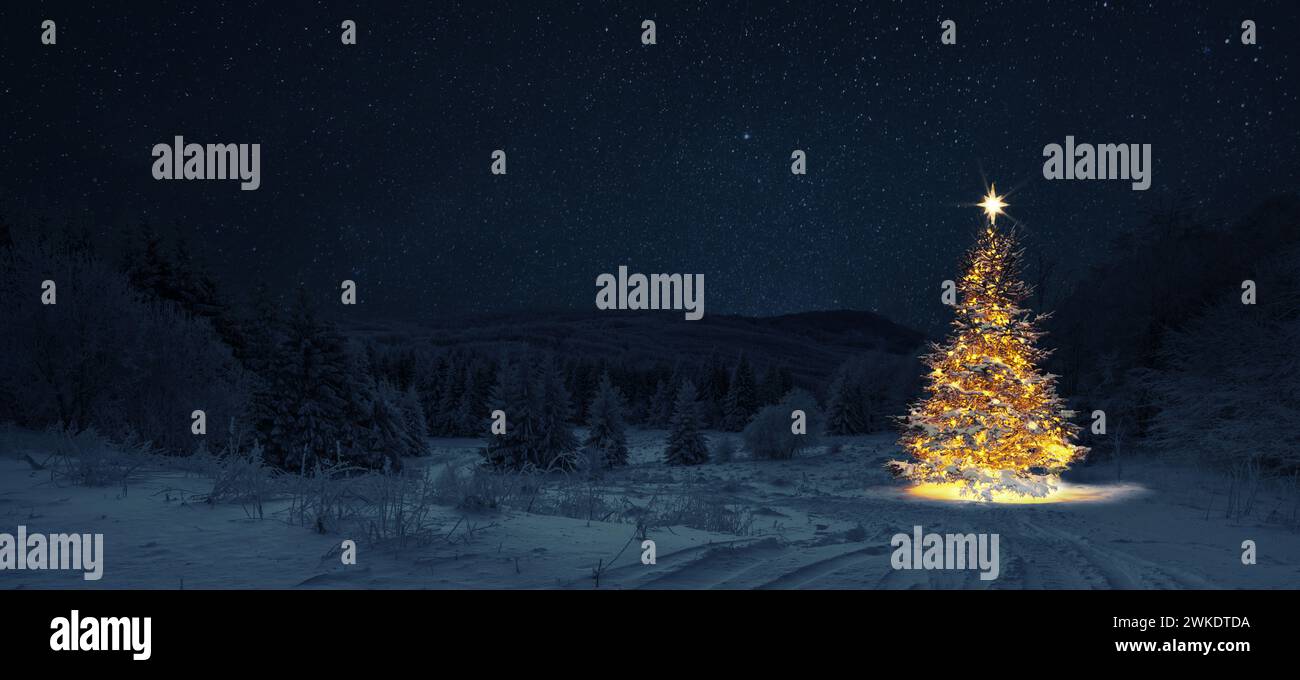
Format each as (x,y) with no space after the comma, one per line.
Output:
(666,158)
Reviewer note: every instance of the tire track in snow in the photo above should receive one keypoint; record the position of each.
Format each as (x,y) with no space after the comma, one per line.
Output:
(712,565)
(1119,569)
(819,569)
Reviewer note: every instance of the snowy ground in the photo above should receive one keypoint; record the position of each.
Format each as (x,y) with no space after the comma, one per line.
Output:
(822,520)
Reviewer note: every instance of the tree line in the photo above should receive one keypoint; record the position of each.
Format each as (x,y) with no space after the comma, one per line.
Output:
(139,339)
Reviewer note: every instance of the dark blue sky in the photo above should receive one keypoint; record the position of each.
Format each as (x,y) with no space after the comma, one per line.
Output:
(666,158)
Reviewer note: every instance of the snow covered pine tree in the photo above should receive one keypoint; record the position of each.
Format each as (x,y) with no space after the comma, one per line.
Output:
(606,433)
(741,401)
(538,437)
(686,445)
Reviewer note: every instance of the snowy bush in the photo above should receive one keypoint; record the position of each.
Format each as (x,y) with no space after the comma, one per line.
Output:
(182,366)
(106,356)
(769,434)
(724,450)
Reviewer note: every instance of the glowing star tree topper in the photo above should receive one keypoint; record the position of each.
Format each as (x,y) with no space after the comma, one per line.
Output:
(991,423)
(992,204)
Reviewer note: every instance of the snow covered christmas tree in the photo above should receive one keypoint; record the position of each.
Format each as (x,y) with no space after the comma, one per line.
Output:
(991,423)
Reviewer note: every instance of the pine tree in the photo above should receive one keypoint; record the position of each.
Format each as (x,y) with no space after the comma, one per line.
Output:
(309,419)
(991,422)
(742,397)
(391,432)
(192,285)
(777,382)
(172,274)
(663,407)
(431,387)
(712,387)
(663,395)
(558,445)
(449,413)
(606,432)
(263,334)
(374,433)
(686,445)
(582,381)
(844,404)
(538,435)
(514,393)
(146,262)
(469,411)
(716,381)
(416,426)
(6,235)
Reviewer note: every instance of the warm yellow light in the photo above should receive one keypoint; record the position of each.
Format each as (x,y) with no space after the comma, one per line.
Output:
(993,204)
(1063,493)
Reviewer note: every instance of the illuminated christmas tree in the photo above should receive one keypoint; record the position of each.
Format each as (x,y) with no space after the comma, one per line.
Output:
(992,424)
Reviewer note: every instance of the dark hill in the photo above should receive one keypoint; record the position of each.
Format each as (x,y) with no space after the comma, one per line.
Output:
(810,344)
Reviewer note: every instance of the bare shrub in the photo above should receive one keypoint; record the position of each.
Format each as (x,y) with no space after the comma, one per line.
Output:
(706,512)
(480,488)
(323,499)
(578,498)
(87,459)
(398,506)
(1243,488)
(244,478)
